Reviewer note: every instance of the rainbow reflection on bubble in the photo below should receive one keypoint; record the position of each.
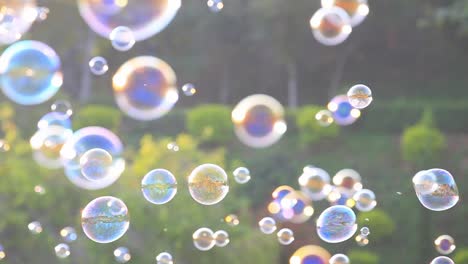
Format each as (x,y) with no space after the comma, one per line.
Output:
(310,255)
(436,189)
(16,17)
(30,72)
(348,181)
(259,120)
(315,183)
(145,88)
(331,26)
(336,224)
(47,143)
(356,9)
(343,112)
(289,205)
(159,186)
(144,17)
(208,184)
(445,244)
(89,138)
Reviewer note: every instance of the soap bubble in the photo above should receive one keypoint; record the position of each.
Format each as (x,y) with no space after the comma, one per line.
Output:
(285,236)
(310,255)
(215,5)
(145,88)
(324,118)
(339,259)
(442,260)
(361,240)
(62,250)
(241,175)
(35,227)
(16,17)
(338,196)
(189,89)
(315,183)
(365,200)
(4,145)
(267,225)
(62,107)
(445,244)
(105,219)
(47,143)
(96,164)
(122,255)
(221,238)
(98,65)
(208,184)
(122,38)
(343,112)
(331,26)
(348,181)
(295,207)
(281,192)
(30,72)
(2,252)
(144,17)
(336,224)
(164,258)
(159,186)
(39,189)
(172,146)
(360,96)
(203,239)
(259,120)
(356,9)
(54,119)
(86,139)
(68,234)
(436,189)
(231,220)
(365,231)
(42,13)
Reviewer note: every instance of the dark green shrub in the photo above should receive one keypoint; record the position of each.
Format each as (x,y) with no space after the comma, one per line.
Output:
(210,123)
(97,115)
(461,256)
(308,127)
(363,257)
(379,222)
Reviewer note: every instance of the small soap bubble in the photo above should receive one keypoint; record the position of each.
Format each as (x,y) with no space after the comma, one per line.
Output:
(365,231)
(315,183)
(331,26)
(122,255)
(215,5)
(189,89)
(336,224)
(4,145)
(362,241)
(324,118)
(62,250)
(172,146)
(348,181)
(360,96)
(267,225)
(122,38)
(445,244)
(285,236)
(98,65)
(221,238)
(39,189)
(208,184)
(365,200)
(159,186)
(231,220)
(203,239)
(63,107)
(96,164)
(442,260)
(42,13)
(356,9)
(68,234)
(339,259)
(241,175)
(35,227)
(2,252)
(164,258)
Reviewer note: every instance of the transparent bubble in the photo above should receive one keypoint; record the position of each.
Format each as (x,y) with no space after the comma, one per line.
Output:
(62,107)
(310,255)
(324,118)
(267,225)
(336,224)
(164,258)
(54,119)
(259,120)
(30,72)
(47,143)
(294,207)
(144,17)
(4,145)
(172,146)
(348,181)
(122,38)
(331,26)
(339,259)
(105,219)
(96,164)
(203,239)
(90,138)
(356,9)
(159,186)
(315,183)
(189,89)
(241,175)
(208,184)
(442,260)
(98,65)
(445,244)
(285,236)
(361,240)
(365,200)
(145,88)
(35,227)
(122,255)
(62,250)
(221,238)
(232,220)
(42,13)
(16,17)
(360,96)
(68,234)
(2,252)
(39,189)
(365,231)
(343,112)
(215,5)
(436,189)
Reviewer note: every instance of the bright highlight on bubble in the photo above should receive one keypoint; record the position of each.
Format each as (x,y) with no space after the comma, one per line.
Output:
(98,65)
(35,227)
(221,238)
(360,96)
(189,89)
(122,38)
(324,118)
(96,164)
(365,200)
(445,244)
(336,224)
(172,146)
(436,189)
(339,259)
(68,234)
(356,9)
(62,250)
(361,240)
(16,17)
(159,186)
(442,260)
(315,183)
(164,258)
(208,184)
(310,255)
(267,225)
(122,255)
(215,5)
(285,236)
(203,239)
(343,112)
(331,26)
(241,175)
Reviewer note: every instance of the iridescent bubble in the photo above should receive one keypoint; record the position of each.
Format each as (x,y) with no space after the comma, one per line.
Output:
(159,186)
(98,65)
(324,118)
(122,255)
(105,219)
(436,189)
(445,244)
(189,89)
(47,143)
(145,88)
(339,259)
(365,200)
(62,250)
(310,255)
(4,145)
(348,181)
(164,258)
(365,232)
(96,164)
(2,252)
(203,239)
(90,138)
(356,9)
(267,225)
(360,96)
(35,227)
(259,120)
(221,238)
(122,38)
(68,234)
(361,240)
(285,236)
(336,224)
(343,112)
(208,184)
(315,183)
(331,26)
(145,18)
(241,175)
(215,5)
(16,17)
(30,72)
(231,220)
(54,119)
(62,107)
(442,260)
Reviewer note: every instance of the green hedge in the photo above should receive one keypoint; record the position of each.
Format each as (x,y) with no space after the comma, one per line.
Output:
(308,127)
(210,123)
(98,115)
(363,257)
(461,256)
(379,222)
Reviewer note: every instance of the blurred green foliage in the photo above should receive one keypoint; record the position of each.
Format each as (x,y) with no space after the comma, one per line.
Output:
(363,257)
(461,256)
(380,224)
(105,116)
(310,131)
(210,123)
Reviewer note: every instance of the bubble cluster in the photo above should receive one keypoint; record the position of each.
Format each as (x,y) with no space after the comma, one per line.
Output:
(30,72)
(241,175)
(331,26)
(159,186)
(259,120)
(98,65)
(68,234)
(145,88)
(122,255)
(310,254)
(442,260)
(164,258)
(315,183)
(336,224)
(285,236)
(356,9)
(360,96)
(189,89)
(203,239)
(16,17)
(122,38)
(221,238)
(436,189)
(348,181)
(35,227)
(267,225)
(208,184)
(215,5)
(62,250)
(324,118)
(339,259)
(96,164)
(231,220)
(365,200)
(445,244)
(105,219)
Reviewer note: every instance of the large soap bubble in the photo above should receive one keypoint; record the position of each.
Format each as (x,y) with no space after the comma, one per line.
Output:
(336,224)
(16,17)
(436,189)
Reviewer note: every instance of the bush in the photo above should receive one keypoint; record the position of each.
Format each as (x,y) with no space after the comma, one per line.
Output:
(308,127)
(461,256)
(363,257)
(379,222)
(97,115)
(210,123)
